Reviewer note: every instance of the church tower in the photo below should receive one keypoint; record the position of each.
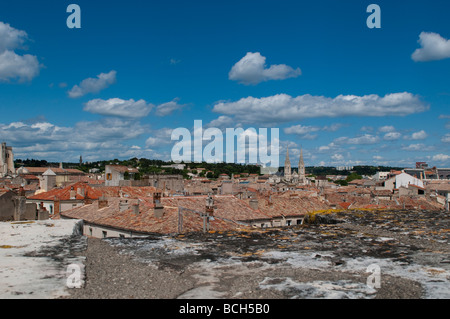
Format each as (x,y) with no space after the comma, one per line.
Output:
(287,167)
(301,168)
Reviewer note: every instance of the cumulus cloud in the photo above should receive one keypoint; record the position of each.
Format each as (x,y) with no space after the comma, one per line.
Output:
(168,108)
(252,69)
(42,139)
(301,129)
(223,122)
(12,65)
(285,108)
(433,47)
(365,139)
(392,136)
(118,107)
(387,129)
(418,147)
(421,135)
(337,157)
(446,138)
(159,138)
(93,85)
(441,158)
(306,132)
(11,38)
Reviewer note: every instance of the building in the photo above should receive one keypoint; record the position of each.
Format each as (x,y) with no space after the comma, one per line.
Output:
(380,176)
(301,169)
(116,173)
(405,180)
(58,200)
(287,167)
(6,160)
(6,205)
(141,217)
(63,176)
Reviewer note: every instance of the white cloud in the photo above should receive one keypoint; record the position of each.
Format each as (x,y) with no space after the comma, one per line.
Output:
(168,108)
(159,138)
(301,129)
(387,129)
(284,108)
(11,38)
(305,131)
(365,139)
(433,47)
(118,107)
(93,85)
(418,147)
(223,122)
(367,128)
(94,139)
(446,138)
(12,65)
(252,69)
(392,136)
(337,157)
(441,158)
(421,135)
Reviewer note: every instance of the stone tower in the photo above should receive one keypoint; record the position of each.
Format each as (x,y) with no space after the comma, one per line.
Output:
(287,167)
(301,168)
(6,160)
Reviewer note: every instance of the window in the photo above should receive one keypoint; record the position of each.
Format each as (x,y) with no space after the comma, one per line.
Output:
(90,231)
(104,234)
(108,176)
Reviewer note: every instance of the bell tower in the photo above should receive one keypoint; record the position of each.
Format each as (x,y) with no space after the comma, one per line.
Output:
(287,167)
(301,168)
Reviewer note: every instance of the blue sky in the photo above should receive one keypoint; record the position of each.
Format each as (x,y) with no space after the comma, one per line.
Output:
(136,70)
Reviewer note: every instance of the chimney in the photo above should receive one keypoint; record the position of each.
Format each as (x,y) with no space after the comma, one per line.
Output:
(19,207)
(57,206)
(72,193)
(209,205)
(102,202)
(135,208)
(42,212)
(81,191)
(253,203)
(156,198)
(123,205)
(158,211)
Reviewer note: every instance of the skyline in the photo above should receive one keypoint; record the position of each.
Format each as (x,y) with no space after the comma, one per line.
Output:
(116,88)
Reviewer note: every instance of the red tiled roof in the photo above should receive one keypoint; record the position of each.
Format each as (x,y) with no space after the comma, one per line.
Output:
(128,191)
(345,205)
(145,221)
(64,193)
(226,206)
